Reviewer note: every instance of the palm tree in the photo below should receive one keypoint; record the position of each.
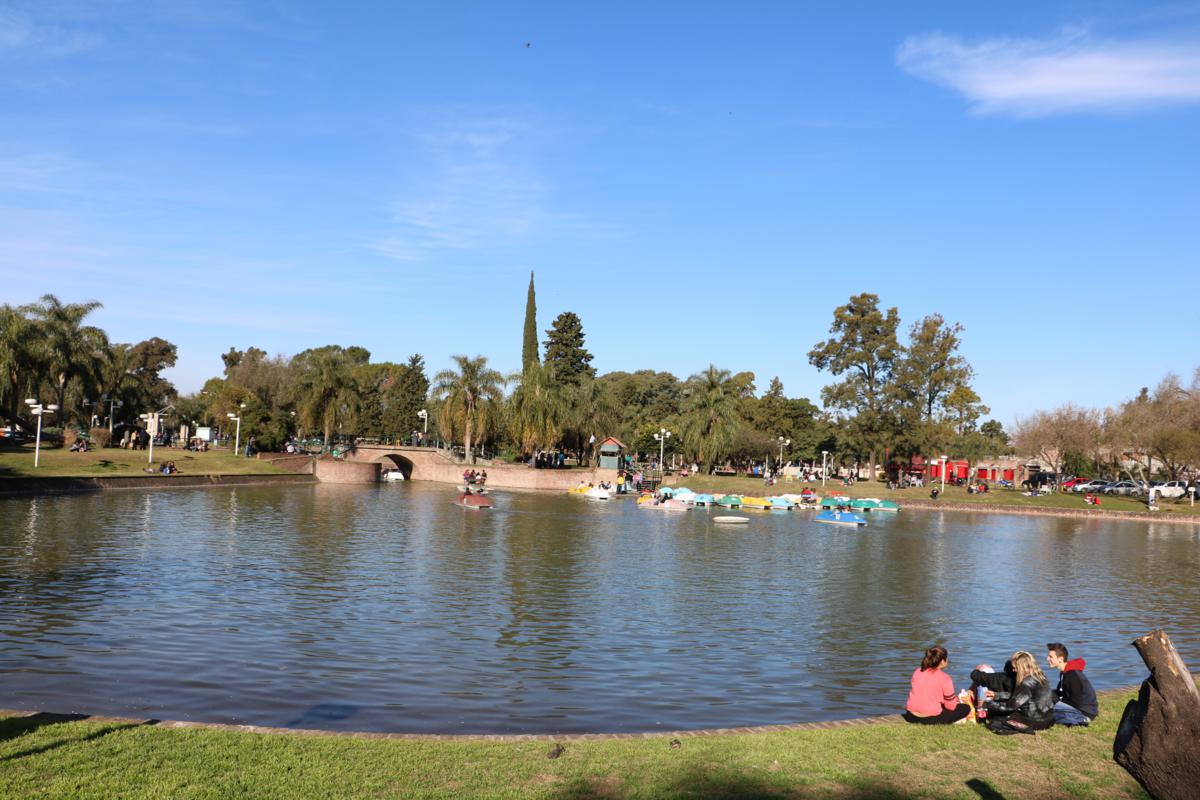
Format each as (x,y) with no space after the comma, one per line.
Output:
(70,349)
(592,411)
(710,414)
(325,389)
(469,397)
(17,359)
(537,409)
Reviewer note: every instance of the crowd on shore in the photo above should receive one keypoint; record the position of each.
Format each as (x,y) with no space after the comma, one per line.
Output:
(1018,699)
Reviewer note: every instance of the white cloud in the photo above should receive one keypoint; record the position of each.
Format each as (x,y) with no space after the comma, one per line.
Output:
(1070,73)
(479,189)
(19,33)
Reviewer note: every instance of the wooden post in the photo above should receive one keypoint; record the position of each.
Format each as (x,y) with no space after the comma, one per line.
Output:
(1158,740)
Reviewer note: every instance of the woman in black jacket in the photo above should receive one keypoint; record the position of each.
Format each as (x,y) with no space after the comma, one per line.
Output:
(1031,704)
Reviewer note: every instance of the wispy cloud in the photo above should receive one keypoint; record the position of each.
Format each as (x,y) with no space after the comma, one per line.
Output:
(21,33)
(479,189)
(1070,73)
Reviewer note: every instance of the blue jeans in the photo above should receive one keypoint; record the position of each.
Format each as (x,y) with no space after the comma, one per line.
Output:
(1069,715)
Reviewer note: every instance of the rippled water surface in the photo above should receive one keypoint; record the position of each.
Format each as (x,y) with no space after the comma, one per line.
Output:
(387,608)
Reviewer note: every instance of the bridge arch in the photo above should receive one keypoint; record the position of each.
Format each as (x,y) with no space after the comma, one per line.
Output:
(397,462)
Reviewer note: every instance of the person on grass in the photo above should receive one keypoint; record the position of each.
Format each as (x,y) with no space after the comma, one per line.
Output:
(932,699)
(1076,698)
(1031,704)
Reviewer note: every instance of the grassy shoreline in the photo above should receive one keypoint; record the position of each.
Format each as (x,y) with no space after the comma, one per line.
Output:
(999,499)
(113,462)
(101,759)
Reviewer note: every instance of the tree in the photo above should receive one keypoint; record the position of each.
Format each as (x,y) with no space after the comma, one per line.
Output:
(324,390)
(565,353)
(70,349)
(964,408)
(18,361)
(469,398)
(710,414)
(1051,435)
(529,347)
(537,409)
(994,430)
(862,347)
(930,369)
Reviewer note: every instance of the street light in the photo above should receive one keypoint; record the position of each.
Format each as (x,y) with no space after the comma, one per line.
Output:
(152,429)
(661,437)
(37,409)
(424,416)
(782,444)
(943,474)
(237,442)
(824,469)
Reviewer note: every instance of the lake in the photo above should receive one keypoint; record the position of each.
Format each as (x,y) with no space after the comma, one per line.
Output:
(387,608)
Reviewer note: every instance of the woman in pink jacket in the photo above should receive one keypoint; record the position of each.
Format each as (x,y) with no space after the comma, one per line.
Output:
(932,699)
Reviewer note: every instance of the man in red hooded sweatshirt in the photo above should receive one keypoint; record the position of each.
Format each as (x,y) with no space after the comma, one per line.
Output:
(1076,698)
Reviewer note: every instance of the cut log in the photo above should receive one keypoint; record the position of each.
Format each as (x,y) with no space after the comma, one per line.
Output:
(1158,740)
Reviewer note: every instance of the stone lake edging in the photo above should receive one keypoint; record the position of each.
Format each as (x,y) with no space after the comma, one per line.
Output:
(17,487)
(515,738)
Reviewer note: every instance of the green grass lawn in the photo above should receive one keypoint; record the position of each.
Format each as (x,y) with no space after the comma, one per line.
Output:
(59,462)
(997,497)
(890,760)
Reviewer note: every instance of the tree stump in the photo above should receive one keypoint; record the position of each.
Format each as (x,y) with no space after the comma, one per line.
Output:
(1158,740)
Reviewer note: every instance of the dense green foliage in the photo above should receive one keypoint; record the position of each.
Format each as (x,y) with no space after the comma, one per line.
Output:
(49,353)
(565,353)
(891,399)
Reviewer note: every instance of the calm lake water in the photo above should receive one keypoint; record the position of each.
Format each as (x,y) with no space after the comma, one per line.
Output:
(389,609)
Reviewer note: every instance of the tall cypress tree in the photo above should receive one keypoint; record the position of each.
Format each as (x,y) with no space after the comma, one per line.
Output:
(529,350)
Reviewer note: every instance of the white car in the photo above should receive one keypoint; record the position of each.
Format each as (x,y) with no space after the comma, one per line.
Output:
(1089,486)
(1172,490)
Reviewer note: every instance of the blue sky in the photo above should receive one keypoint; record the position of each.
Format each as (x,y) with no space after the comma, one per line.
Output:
(700,182)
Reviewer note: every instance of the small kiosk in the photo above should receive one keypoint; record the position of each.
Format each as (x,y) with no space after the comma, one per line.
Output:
(611,451)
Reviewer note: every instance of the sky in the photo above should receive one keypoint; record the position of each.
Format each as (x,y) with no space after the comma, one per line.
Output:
(700,182)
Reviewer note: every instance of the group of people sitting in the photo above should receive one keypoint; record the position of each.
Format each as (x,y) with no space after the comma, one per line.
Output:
(1016,700)
(473,478)
(79,446)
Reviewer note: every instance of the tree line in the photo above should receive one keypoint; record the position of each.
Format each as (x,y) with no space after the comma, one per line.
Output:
(889,400)
(1155,433)
(48,353)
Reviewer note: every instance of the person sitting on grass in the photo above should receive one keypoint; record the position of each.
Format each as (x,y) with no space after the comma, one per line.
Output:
(932,699)
(1031,704)
(1076,698)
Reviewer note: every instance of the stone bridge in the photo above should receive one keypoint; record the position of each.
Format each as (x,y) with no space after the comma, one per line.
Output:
(431,464)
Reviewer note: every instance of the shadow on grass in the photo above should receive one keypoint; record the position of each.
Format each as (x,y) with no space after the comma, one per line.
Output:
(983,789)
(714,784)
(14,727)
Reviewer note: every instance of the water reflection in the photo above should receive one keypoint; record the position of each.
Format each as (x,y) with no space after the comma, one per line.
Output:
(388,608)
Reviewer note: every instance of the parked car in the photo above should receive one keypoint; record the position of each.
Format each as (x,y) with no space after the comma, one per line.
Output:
(1090,486)
(1172,490)
(1039,479)
(1128,488)
(1070,483)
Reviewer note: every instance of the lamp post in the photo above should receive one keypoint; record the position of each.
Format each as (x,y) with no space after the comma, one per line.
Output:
(824,469)
(782,444)
(38,410)
(152,423)
(661,437)
(237,442)
(424,417)
(943,474)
